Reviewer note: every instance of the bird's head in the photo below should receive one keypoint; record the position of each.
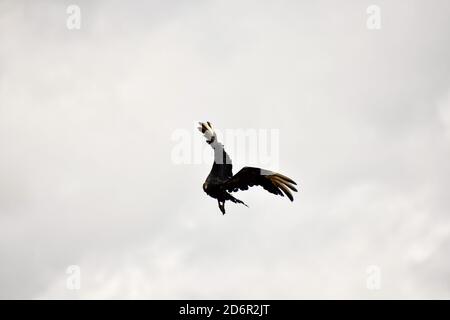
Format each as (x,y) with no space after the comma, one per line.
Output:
(208,131)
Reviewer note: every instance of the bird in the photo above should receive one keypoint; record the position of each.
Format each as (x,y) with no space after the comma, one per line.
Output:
(221,182)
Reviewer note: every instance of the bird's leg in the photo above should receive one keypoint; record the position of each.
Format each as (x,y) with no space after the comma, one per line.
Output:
(233,199)
(221,206)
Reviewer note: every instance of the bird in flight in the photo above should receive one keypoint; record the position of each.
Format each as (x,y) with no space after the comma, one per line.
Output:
(221,181)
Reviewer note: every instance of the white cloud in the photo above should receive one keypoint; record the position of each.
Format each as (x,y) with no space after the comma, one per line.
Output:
(86,178)
(444,113)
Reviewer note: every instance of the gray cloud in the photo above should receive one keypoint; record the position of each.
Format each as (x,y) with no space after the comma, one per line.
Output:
(86,176)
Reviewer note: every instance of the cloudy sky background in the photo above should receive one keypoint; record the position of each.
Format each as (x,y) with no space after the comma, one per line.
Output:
(87,177)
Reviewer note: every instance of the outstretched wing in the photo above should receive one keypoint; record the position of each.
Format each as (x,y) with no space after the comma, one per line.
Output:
(222,167)
(271,181)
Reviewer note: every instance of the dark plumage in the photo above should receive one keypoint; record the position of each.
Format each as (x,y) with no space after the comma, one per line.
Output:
(221,181)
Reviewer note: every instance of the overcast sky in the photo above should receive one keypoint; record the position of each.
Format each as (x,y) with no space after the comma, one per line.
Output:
(87,176)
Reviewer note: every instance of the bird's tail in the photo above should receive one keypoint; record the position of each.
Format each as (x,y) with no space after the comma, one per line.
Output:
(208,132)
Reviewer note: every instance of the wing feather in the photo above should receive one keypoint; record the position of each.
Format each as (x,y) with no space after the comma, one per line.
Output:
(271,181)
